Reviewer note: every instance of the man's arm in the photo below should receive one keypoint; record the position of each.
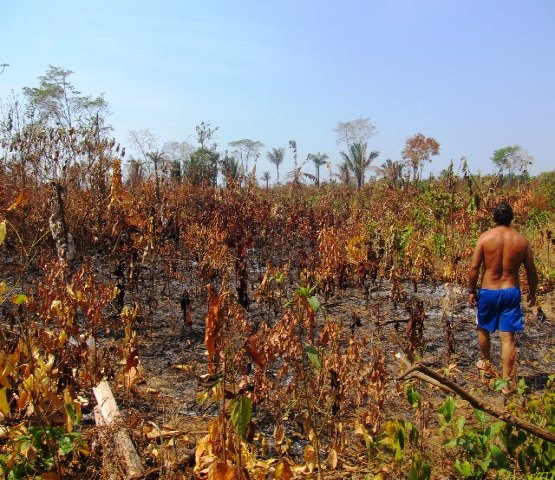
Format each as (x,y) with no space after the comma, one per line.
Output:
(531,275)
(474,272)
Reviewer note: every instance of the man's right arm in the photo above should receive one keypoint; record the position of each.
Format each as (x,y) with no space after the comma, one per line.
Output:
(474,272)
(531,275)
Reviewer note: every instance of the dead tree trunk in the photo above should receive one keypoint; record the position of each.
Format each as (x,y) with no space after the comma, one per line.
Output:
(65,247)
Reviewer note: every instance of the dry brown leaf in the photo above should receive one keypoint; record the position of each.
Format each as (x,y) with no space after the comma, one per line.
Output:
(152,431)
(18,201)
(50,476)
(333,459)
(183,367)
(133,376)
(310,458)
(283,472)
(222,471)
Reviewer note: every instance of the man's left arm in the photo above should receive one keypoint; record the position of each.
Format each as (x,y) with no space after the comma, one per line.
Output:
(531,276)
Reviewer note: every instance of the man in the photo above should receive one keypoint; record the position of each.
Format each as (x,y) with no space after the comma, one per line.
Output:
(502,250)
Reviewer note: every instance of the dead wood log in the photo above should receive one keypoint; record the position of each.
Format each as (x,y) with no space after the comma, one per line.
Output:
(496,412)
(106,440)
(112,418)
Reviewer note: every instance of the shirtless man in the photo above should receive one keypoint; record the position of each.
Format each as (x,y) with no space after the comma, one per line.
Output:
(502,250)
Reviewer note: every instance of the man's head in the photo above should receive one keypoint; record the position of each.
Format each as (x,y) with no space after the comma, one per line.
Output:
(503,214)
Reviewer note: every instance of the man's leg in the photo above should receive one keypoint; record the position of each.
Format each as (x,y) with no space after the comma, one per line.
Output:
(508,354)
(484,343)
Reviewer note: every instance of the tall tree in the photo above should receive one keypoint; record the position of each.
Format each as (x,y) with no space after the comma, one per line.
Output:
(391,170)
(355,131)
(293,146)
(57,102)
(205,133)
(276,156)
(178,153)
(135,171)
(266,178)
(318,159)
(231,170)
(57,131)
(511,159)
(344,174)
(142,141)
(245,150)
(202,167)
(358,161)
(419,150)
(157,158)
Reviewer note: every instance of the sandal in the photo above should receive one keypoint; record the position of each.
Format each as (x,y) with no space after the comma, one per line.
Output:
(486,368)
(507,390)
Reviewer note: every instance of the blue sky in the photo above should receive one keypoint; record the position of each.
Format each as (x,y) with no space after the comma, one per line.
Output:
(477,75)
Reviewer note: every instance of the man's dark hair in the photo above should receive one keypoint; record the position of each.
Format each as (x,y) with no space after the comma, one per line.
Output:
(503,214)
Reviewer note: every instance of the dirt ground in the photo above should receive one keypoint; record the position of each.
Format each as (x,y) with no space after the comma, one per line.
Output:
(173,358)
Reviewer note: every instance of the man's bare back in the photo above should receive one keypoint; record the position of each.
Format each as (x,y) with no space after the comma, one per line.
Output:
(502,250)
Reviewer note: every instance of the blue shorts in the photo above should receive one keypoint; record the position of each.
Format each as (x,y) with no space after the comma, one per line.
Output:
(500,310)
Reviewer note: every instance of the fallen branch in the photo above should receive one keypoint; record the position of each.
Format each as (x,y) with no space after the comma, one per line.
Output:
(421,375)
(496,412)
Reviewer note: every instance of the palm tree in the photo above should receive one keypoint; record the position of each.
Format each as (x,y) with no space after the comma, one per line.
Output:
(266,178)
(156,157)
(344,174)
(391,170)
(276,156)
(136,172)
(318,159)
(358,161)
(230,169)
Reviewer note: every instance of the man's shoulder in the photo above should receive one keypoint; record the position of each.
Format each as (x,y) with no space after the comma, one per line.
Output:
(489,234)
(519,236)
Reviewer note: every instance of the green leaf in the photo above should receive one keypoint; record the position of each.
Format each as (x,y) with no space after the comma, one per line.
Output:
(70,410)
(420,468)
(447,408)
(304,292)
(499,459)
(464,468)
(313,355)
(480,415)
(460,424)
(454,442)
(19,299)
(412,432)
(399,443)
(500,384)
(65,446)
(485,463)
(413,397)
(522,388)
(314,303)
(2,232)
(426,472)
(241,414)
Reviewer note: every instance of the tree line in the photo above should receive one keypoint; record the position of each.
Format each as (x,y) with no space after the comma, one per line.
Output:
(56,126)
